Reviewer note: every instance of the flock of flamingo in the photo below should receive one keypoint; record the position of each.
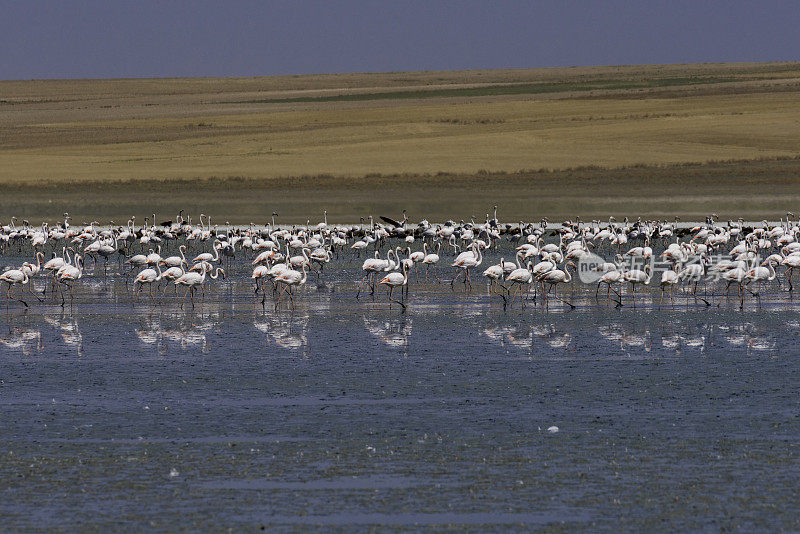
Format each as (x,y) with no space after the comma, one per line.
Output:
(545,256)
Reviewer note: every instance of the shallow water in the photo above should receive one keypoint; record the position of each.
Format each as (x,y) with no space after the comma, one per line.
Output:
(345,413)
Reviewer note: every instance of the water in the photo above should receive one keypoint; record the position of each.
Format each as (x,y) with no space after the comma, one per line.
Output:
(346,414)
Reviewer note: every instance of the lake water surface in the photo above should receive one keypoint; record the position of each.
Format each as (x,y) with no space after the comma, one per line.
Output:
(348,414)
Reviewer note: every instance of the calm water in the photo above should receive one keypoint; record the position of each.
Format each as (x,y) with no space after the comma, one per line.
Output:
(346,414)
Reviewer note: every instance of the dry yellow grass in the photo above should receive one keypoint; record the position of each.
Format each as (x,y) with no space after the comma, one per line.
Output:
(63,132)
(419,139)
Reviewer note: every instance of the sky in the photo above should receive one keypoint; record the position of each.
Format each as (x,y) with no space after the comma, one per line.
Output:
(101,39)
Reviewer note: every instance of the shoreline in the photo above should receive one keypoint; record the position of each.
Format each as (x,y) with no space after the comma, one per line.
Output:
(751,189)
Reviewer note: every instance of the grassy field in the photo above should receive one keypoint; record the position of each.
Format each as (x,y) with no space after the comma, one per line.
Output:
(648,141)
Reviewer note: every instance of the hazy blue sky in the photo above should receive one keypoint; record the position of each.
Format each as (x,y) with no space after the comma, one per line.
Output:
(60,39)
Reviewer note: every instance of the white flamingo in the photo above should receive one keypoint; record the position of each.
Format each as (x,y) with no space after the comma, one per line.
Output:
(175,261)
(431,259)
(206,256)
(522,276)
(668,280)
(259,274)
(147,276)
(69,274)
(393,280)
(290,279)
(610,278)
(466,261)
(192,280)
(761,274)
(13,277)
(638,276)
(555,277)
(170,275)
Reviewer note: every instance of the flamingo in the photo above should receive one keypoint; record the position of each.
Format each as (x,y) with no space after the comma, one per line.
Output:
(291,278)
(555,277)
(494,273)
(638,276)
(175,261)
(519,277)
(543,267)
(320,256)
(372,266)
(393,280)
(610,278)
(32,270)
(264,257)
(138,260)
(259,273)
(694,272)
(358,246)
(668,279)
(736,275)
(300,260)
(431,259)
(54,264)
(154,257)
(147,276)
(192,280)
(13,277)
(417,256)
(791,262)
(465,261)
(69,274)
(106,251)
(172,274)
(760,274)
(206,256)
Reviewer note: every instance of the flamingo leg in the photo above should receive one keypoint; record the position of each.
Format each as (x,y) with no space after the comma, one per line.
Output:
(360,284)
(32,292)
(280,296)
(619,296)
(455,277)
(555,296)
(391,290)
